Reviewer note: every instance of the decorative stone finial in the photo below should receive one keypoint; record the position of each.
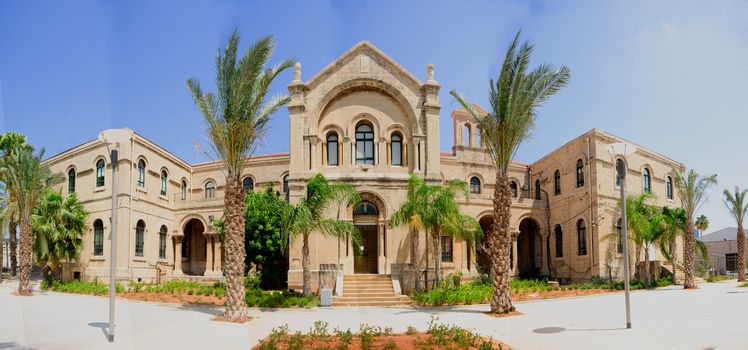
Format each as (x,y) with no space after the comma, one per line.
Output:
(297,71)
(430,71)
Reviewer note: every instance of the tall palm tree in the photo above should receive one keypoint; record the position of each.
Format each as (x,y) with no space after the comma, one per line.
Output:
(10,143)
(236,118)
(28,180)
(674,222)
(738,206)
(308,216)
(638,214)
(443,218)
(410,213)
(653,231)
(702,223)
(692,193)
(514,98)
(59,225)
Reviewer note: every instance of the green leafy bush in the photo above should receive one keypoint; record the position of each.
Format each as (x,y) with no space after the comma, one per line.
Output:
(81,287)
(278,299)
(712,279)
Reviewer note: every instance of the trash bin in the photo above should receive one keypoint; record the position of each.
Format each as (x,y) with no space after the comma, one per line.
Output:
(325,297)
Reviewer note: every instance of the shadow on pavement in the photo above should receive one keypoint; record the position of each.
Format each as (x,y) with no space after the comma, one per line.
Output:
(104,326)
(554,330)
(13,346)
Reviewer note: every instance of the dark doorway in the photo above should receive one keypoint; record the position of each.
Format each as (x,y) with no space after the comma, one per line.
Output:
(482,262)
(528,249)
(366,262)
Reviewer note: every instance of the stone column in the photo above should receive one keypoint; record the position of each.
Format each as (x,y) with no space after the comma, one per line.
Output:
(208,252)
(544,254)
(464,258)
(177,255)
(217,256)
(381,259)
(515,268)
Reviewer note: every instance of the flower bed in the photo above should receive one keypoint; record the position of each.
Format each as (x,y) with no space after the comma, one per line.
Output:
(437,336)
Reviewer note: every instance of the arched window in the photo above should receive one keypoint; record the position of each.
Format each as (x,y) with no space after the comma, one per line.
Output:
(557,182)
(162,242)
(366,208)
(581,238)
(466,135)
(669,186)
(474,185)
(100,173)
(248,184)
(537,189)
(210,189)
(141,173)
(139,238)
(164,178)
(478,137)
(513,188)
(98,238)
(618,178)
(646,180)
(285,184)
(559,236)
(580,173)
(184,190)
(396,149)
(332,149)
(364,144)
(71,181)
(619,238)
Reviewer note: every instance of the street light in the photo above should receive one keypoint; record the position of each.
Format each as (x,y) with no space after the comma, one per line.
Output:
(113,137)
(615,150)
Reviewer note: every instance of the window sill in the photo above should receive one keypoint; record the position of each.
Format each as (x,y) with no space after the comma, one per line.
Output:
(163,197)
(141,190)
(97,258)
(138,259)
(99,189)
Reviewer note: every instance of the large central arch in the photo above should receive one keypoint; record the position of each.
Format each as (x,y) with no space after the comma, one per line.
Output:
(529,249)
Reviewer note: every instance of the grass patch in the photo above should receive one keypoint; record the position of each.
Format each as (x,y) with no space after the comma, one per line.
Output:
(81,287)
(743,285)
(717,278)
(479,291)
(180,287)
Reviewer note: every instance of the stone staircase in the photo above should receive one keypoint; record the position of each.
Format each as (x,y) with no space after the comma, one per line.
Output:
(369,290)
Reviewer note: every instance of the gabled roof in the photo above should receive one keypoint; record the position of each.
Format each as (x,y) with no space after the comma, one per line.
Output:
(358,48)
(727,233)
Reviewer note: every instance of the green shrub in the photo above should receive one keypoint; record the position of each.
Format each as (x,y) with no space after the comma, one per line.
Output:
(279,299)
(712,279)
(81,287)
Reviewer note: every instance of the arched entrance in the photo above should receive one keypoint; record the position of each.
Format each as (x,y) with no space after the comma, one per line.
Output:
(194,248)
(366,219)
(529,249)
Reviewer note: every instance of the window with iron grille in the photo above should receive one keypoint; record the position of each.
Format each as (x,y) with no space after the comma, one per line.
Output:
(446,249)
(98,238)
(139,238)
(162,243)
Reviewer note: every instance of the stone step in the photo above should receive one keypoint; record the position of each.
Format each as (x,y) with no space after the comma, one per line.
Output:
(371,303)
(344,298)
(367,285)
(347,289)
(367,294)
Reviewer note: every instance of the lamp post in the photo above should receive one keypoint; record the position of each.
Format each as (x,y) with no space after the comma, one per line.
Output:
(113,137)
(623,149)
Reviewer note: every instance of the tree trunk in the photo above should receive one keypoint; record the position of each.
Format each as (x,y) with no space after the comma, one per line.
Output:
(12,247)
(688,245)
(24,287)
(499,244)
(646,265)
(437,257)
(637,262)
(235,251)
(674,258)
(415,259)
(741,254)
(305,262)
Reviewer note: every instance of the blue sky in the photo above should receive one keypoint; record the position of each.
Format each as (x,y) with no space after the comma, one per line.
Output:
(669,75)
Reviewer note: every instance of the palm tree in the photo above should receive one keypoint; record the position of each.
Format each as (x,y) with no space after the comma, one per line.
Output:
(28,179)
(638,214)
(308,216)
(737,204)
(702,223)
(410,213)
(514,98)
(59,225)
(674,221)
(652,233)
(10,143)
(692,193)
(442,217)
(236,118)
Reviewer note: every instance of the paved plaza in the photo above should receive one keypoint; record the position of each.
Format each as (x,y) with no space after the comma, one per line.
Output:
(713,317)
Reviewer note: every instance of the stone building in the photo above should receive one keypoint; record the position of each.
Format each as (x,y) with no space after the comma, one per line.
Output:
(366,121)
